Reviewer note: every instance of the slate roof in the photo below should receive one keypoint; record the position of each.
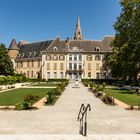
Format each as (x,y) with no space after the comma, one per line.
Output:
(82,45)
(32,50)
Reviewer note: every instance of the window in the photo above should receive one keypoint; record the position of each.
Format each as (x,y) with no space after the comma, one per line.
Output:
(61,66)
(103,58)
(55,66)
(97,57)
(75,57)
(19,55)
(75,66)
(39,63)
(34,53)
(97,66)
(70,57)
(97,49)
(48,75)
(70,66)
(80,67)
(48,57)
(89,66)
(48,66)
(30,54)
(40,54)
(55,75)
(21,64)
(32,73)
(89,74)
(55,57)
(22,54)
(89,57)
(61,57)
(32,63)
(80,57)
(55,48)
(61,75)
(97,75)
(28,74)
(28,63)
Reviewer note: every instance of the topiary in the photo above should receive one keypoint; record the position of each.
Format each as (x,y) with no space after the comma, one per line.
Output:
(107,99)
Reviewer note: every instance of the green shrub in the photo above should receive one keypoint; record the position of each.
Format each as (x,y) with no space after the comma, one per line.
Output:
(22,106)
(107,99)
(58,80)
(98,95)
(56,91)
(50,98)
(31,99)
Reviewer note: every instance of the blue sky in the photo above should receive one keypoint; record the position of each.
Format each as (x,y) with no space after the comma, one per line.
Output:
(35,20)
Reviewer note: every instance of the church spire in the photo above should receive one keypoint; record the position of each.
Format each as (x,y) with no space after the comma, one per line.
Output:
(78,33)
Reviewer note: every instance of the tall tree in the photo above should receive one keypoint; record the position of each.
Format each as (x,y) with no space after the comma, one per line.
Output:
(6,66)
(124,61)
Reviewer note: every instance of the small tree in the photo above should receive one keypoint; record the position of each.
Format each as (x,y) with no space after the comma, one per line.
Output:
(6,66)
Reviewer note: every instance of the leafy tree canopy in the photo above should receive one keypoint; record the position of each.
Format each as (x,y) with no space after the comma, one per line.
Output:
(124,61)
(6,66)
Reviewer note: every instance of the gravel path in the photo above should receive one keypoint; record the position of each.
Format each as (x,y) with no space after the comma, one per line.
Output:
(62,117)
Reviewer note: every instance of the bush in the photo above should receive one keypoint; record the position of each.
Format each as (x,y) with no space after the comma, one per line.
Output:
(98,95)
(58,80)
(50,98)
(107,99)
(31,99)
(4,80)
(22,106)
(56,91)
(98,88)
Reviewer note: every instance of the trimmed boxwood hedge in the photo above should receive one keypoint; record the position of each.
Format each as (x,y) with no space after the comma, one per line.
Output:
(113,81)
(9,80)
(58,80)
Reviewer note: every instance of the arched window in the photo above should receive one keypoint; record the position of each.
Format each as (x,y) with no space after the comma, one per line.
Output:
(55,49)
(97,49)
(97,57)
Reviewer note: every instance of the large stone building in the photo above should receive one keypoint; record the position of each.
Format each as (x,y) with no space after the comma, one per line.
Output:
(74,58)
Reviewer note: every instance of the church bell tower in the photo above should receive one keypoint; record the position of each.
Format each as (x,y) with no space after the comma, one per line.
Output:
(78,33)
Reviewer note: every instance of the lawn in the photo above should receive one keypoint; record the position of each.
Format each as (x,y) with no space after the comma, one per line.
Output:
(17,95)
(125,96)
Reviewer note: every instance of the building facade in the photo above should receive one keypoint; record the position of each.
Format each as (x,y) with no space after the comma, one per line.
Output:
(74,58)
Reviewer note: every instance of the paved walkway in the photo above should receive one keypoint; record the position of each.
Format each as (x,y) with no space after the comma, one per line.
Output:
(62,117)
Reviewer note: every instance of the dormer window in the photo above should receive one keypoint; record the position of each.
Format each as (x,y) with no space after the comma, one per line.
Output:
(34,53)
(75,49)
(30,54)
(97,49)
(19,55)
(55,49)
(22,54)
(40,54)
